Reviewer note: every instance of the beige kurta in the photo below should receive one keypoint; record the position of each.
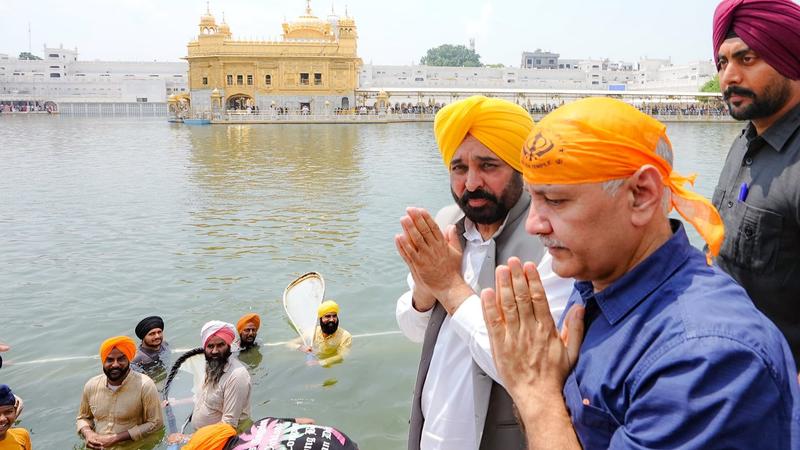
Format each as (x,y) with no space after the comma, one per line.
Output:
(228,401)
(134,407)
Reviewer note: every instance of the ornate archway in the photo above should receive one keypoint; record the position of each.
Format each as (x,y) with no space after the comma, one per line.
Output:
(239,102)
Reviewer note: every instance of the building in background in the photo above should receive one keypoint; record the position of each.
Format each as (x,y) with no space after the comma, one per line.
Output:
(61,78)
(314,68)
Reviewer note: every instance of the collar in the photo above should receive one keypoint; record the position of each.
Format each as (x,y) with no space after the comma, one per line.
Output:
(780,132)
(124,381)
(624,294)
(471,233)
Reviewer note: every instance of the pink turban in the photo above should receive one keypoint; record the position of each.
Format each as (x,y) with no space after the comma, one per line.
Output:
(770,27)
(222,330)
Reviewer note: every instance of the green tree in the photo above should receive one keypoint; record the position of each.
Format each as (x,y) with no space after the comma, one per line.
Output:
(495,66)
(451,56)
(711,85)
(28,55)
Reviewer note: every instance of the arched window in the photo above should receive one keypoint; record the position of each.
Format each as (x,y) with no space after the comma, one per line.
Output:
(268,80)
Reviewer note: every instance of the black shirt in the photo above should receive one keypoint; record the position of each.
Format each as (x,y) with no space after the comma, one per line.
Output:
(758,197)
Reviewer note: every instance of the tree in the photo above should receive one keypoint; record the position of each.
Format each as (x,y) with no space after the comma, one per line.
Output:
(495,66)
(451,56)
(29,56)
(711,85)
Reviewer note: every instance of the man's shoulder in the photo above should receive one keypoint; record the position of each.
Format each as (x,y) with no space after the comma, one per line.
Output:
(95,381)
(448,215)
(238,369)
(702,302)
(345,334)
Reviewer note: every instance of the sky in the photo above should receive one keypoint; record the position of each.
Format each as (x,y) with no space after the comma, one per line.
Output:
(390,32)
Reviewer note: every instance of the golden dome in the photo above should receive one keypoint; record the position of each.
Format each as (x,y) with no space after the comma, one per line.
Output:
(307,26)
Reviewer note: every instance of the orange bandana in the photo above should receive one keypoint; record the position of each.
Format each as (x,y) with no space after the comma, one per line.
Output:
(211,437)
(122,343)
(498,124)
(600,139)
(247,318)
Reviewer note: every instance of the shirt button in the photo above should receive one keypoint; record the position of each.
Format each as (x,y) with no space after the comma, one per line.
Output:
(748,232)
(748,161)
(730,204)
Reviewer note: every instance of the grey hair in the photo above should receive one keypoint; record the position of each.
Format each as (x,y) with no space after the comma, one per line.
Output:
(663,150)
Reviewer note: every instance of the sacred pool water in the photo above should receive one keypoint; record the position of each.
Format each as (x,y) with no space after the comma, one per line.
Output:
(106,221)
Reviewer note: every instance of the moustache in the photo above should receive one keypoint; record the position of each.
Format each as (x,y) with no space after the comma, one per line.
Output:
(738,91)
(551,242)
(479,194)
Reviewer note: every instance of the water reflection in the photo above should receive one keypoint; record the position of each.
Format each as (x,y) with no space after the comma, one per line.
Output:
(287,191)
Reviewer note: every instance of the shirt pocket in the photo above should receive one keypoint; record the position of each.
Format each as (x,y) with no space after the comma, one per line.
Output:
(753,240)
(593,425)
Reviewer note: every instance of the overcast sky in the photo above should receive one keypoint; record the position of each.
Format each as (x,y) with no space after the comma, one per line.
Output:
(390,32)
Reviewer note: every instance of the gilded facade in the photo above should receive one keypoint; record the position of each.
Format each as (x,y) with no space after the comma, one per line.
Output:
(314,67)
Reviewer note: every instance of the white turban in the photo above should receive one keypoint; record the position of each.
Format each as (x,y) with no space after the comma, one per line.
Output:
(223,330)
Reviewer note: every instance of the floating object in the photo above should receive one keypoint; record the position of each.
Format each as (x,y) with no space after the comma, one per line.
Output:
(301,299)
(197,121)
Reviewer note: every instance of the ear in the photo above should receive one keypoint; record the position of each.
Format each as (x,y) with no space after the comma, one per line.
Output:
(646,191)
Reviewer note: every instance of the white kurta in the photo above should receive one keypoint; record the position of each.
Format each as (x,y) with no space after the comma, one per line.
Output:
(455,395)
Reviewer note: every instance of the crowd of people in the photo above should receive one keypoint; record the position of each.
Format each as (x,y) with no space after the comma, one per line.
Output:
(557,302)
(123,403)
(26,106)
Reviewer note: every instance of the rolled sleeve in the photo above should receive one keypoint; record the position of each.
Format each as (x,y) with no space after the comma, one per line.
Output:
(710,392)
(411,322)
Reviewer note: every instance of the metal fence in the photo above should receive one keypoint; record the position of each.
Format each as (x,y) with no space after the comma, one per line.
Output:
(114,109)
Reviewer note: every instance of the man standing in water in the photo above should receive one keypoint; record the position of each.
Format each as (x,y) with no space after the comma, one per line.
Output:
(226,391)
(153,352)
(457,403)
(11,438)
(248,327)
(119,404)
(331,343)
(757,51)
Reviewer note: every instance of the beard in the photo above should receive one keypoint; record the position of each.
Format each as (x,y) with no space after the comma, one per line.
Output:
(116,374)
(329,327)
(771,101)
(249,341)
(496,208)
(215,366)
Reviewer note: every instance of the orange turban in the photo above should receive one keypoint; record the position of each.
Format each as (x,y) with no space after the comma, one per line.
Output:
(211,437)
(122,343)
(498,124)
(247,318)
(601,139)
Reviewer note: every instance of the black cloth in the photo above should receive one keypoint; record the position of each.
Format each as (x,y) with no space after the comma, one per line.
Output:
(6,396)
(761,250)
(148,323)
(285,433)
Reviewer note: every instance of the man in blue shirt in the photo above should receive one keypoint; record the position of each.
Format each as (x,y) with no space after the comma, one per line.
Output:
(658,349)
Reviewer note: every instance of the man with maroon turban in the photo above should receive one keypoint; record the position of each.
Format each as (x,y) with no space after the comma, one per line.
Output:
(757,50)
(226,392)
(119,404)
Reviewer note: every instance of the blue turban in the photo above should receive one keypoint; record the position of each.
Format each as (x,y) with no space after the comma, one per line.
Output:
(6,396)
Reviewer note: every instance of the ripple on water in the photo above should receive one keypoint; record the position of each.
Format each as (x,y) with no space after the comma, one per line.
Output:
(106,221)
